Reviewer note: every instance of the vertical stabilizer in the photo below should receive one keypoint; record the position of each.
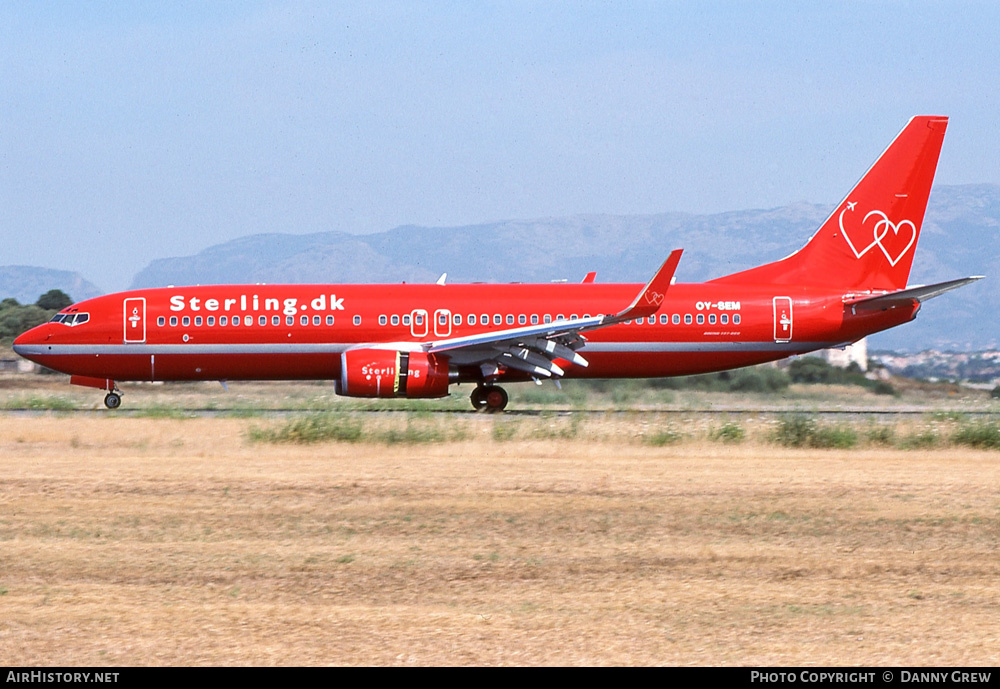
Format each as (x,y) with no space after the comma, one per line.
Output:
(869,241)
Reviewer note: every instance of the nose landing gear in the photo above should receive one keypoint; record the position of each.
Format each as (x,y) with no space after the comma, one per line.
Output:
(489,398)
(112,400)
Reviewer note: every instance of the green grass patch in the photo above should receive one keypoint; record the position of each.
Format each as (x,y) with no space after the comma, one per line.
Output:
(980,434)
(730,433)
(880,435)
(663,437)
(314,428)
(163,411)
(919,440)
(40,403)
(503,431)
(805,431)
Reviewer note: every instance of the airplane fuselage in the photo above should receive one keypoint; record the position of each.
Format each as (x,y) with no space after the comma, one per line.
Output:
(288,332)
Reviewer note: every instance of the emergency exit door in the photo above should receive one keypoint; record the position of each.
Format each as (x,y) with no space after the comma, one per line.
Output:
(782,319)
(134,318)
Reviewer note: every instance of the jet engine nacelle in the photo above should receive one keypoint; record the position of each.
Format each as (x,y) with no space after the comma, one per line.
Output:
(391,373)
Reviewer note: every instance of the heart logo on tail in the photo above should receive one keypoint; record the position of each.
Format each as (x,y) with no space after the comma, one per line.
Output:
(654,297)
(899,246)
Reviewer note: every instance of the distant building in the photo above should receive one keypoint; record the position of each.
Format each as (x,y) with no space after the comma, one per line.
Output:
(856,353)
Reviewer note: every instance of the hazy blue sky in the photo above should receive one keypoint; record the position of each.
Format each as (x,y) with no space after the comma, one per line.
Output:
(131,131)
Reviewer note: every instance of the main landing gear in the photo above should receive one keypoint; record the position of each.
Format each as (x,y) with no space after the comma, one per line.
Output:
(113,400)
(489,398)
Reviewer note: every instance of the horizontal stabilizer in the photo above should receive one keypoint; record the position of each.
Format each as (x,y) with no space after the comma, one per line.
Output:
(920,293)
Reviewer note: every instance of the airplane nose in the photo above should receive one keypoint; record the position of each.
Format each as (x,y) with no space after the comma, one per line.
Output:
(24,342)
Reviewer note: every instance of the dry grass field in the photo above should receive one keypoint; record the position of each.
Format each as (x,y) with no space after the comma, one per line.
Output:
(179,541)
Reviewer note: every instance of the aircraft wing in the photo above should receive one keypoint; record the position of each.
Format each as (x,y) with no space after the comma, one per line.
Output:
(533,349)
(919,293)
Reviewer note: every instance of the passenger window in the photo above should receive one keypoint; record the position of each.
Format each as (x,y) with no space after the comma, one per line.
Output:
(711,319)
(289,320)
(701,319)
(248,320)
(546,318)
(534,319)
(394,319)
(472,319)
(382,320)
(510,319)
(736,319)
(484,319)
(211,320)
(406,319)
(173,320)
(186,321)
(522,319)
(687,319)
(223,320)
(497,319)
(197,320)
(262,320)
(664,319)
(235,321)
(329,320)
(304,320)
(457,318)
(317,320)
(275,320)
(724,318)
(357,320)
(161,321)
(676,319)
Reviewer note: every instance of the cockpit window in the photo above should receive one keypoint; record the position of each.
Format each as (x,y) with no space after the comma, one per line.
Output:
(70,318)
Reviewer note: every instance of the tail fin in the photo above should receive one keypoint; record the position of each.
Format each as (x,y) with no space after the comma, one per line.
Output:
(869,240)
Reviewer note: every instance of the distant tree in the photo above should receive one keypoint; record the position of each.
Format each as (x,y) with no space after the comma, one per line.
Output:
(15,319)
(811,369)
(54,300)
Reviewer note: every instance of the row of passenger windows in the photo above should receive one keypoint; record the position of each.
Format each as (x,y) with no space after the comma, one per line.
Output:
(246,320)
(510,319)
(418,319)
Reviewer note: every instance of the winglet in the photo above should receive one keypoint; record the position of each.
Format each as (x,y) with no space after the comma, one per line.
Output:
(648,301)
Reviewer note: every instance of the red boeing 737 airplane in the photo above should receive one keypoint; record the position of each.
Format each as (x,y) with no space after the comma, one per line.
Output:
(417,340)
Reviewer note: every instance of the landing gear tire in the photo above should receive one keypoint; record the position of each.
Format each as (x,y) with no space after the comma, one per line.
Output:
(112,400)
(489,398)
